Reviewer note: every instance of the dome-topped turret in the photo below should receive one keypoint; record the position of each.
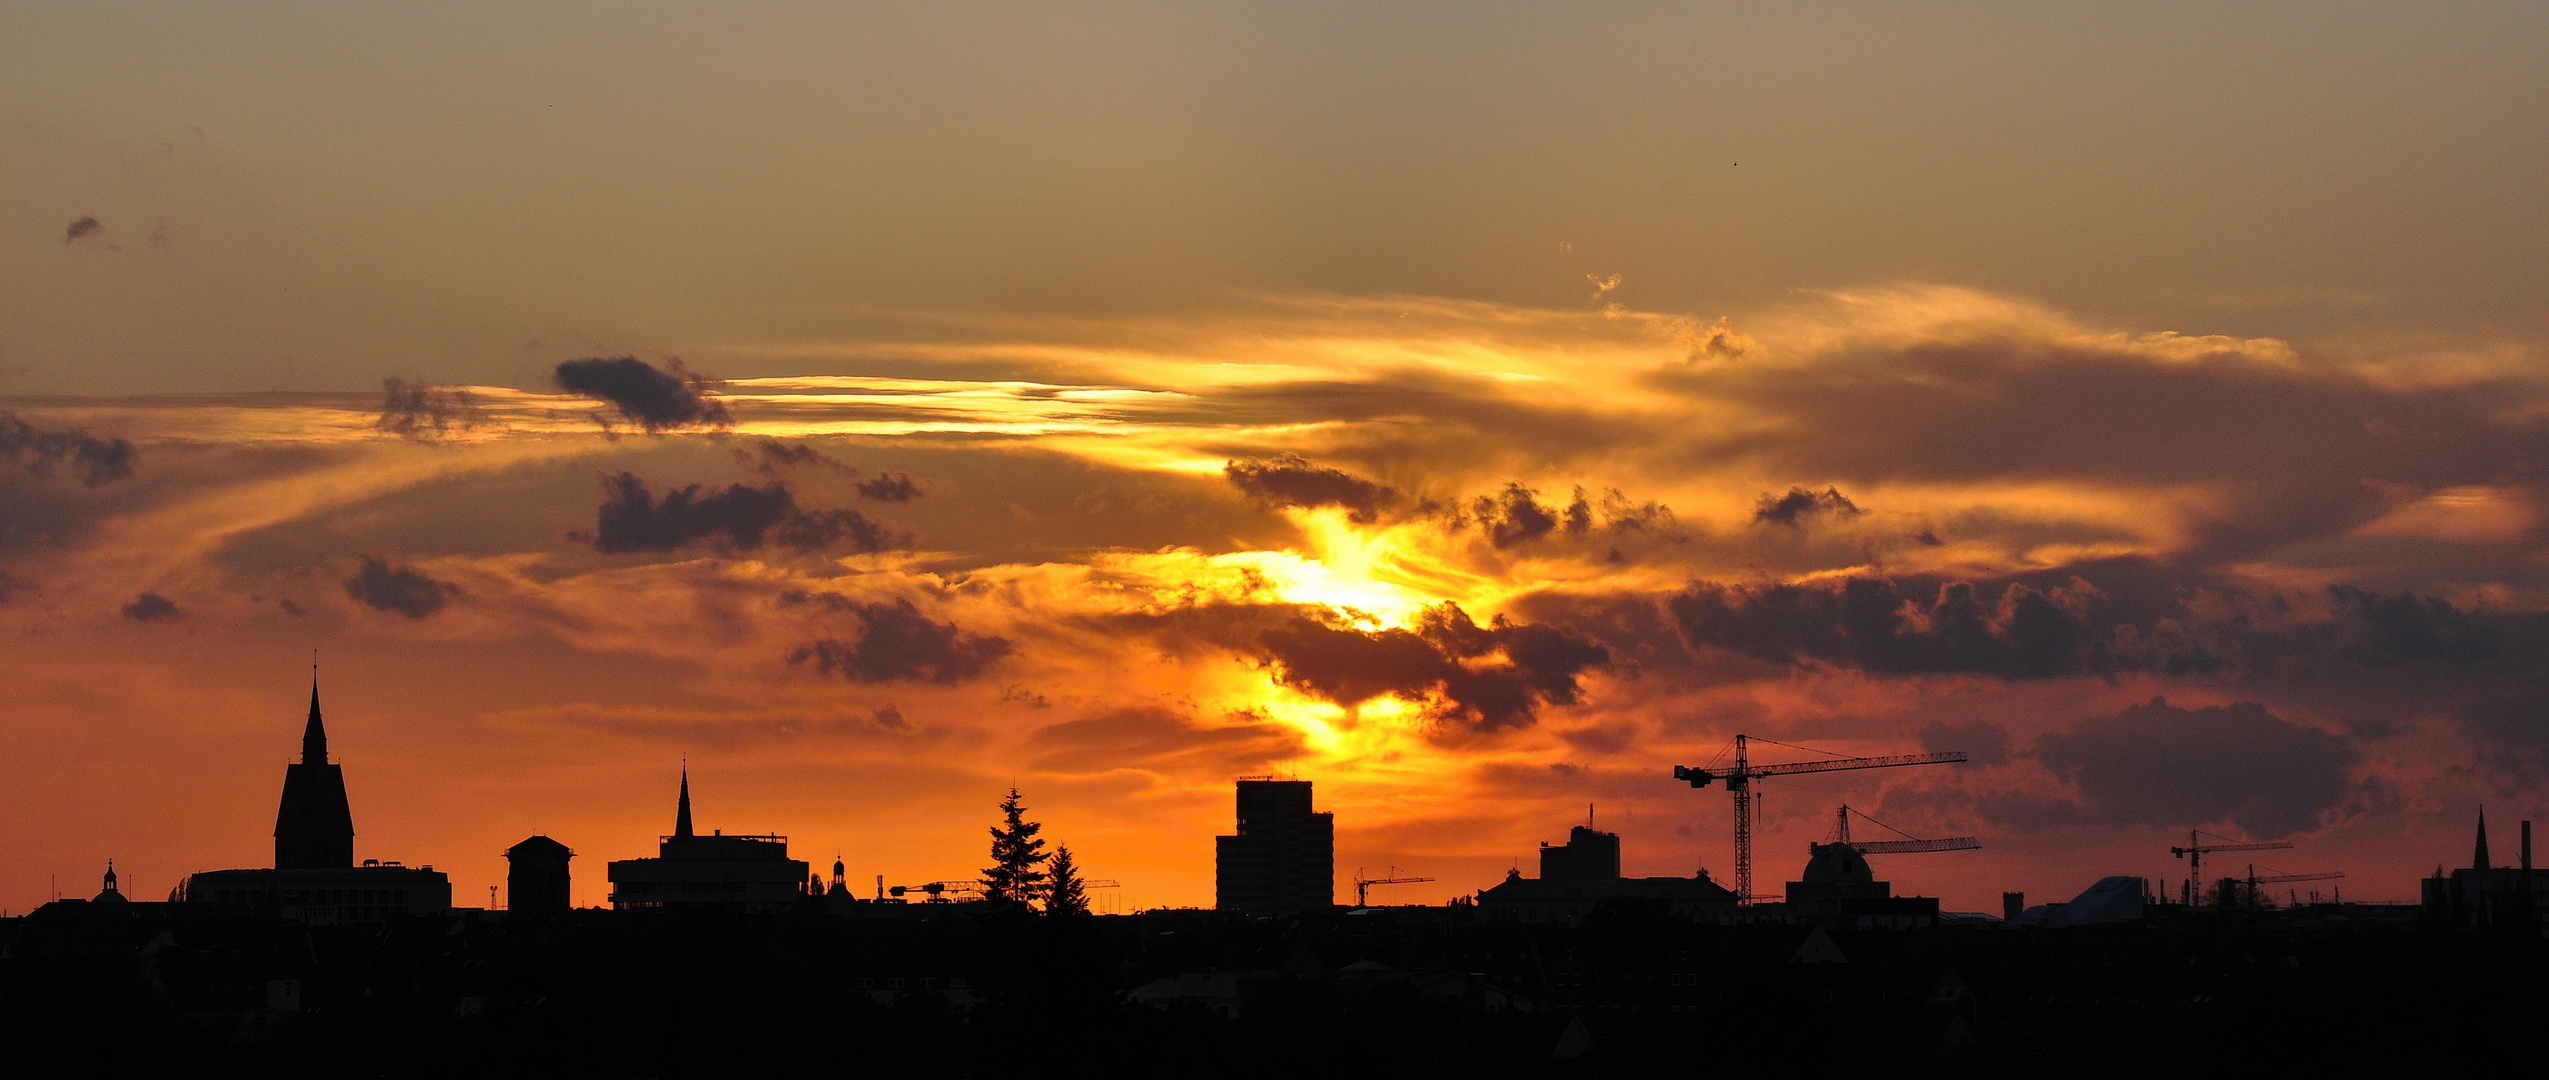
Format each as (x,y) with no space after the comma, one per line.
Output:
(109,895)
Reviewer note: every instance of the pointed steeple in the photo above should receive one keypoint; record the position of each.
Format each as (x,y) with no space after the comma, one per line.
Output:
(313,826)
(314,736)
(681,819)
(2480,861)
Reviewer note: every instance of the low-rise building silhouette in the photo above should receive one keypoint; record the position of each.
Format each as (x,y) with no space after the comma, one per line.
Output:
(1283,857)
(742,872)
(1584,873)
(2487,895)
(1839,882)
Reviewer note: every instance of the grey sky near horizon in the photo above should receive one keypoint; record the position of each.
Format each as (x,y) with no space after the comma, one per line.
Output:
(315,196)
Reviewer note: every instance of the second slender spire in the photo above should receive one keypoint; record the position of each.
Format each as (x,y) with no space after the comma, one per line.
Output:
(681,819)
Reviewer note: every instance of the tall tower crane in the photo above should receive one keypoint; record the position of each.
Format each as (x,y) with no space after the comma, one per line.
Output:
(2196,849)
(1739,780)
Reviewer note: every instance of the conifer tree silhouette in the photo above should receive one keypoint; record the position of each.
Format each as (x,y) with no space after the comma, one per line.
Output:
(1065,895)
(1013,879)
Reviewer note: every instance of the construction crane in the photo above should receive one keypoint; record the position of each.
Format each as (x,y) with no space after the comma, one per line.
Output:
(2196,849)
(940,892)
(1363,885)
(1739,783)
(1900,847)
(2283,879)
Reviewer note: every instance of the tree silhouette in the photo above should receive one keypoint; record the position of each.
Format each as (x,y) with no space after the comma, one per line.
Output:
(1065,895)
(1013,880)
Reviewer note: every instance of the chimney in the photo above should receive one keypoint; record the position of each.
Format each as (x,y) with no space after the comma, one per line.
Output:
(2012,905)
(2526,845)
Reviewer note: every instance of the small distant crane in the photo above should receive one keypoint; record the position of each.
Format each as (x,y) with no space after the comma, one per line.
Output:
(941,892)
(2281,879)
(1900,847)
(2196,849)
(1363,885)
(1102,883)
(1739,783)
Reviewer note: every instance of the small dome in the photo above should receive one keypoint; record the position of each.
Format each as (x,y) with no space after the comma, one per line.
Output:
(109,895)
(1837,863)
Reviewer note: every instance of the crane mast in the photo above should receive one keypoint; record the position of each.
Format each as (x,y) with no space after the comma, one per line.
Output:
(2194,853)
(1739,784)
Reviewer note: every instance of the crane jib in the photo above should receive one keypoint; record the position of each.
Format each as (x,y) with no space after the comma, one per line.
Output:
(1700,778)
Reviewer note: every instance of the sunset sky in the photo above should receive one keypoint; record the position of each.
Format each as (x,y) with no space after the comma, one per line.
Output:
(1474,409)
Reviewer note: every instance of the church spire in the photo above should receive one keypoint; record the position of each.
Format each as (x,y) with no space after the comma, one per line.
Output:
(314,736)
(681,819)
(2481,861)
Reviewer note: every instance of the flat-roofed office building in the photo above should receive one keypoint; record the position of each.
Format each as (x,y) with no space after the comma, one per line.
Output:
(1283,857)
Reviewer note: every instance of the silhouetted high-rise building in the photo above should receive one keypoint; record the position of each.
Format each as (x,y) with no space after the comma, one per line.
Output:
(1588,855)
(537,881)
(314,828)
(746,873)
(314,877)
(1284,856)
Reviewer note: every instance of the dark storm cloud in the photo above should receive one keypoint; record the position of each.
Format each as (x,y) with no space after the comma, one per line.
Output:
(656,400)
(1473,677)
(1891,627)
(403,589)
(894,641)
(771,457)
(82,229)
(2101,618)
(1798,504)
(2157,764)
(2511,715)
(2407,629)
(743,517)
(1578,519)
(1513,517)
(2291,445)
(95,461)
(150,607)
(425,412)
(1162,740)
(1290,480)
(889,487)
